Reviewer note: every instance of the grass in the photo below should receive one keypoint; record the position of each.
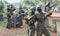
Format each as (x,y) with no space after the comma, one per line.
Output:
(3,23)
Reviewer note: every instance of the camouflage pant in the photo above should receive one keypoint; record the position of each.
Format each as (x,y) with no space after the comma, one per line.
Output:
(31,32)
(10,22)
(43,31)
(19,21)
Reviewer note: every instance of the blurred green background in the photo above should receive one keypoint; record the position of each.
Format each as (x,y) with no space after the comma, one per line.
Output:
(26,4)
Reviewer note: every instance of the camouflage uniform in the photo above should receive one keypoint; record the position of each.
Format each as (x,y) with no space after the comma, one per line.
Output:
(31,30)
(10,10)
(40,18)
(20,17)
(16,18)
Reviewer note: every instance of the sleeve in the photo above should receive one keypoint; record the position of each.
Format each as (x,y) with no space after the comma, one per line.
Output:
(32,20)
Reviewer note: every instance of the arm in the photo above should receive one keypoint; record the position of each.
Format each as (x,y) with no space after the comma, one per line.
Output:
(32,20)
(48,14)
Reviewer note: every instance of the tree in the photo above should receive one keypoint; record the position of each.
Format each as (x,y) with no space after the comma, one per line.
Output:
(1,6)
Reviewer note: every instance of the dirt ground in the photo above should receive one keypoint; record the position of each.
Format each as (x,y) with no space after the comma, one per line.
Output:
(16,32)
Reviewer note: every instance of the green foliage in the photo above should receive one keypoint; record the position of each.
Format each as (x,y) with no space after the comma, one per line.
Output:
(3,23)
(32,2)
(29,3)
(1,7)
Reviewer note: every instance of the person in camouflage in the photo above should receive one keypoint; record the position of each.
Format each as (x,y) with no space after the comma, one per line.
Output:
(10,10)
(16,17)
(31,30)
(40,18)
(20,17)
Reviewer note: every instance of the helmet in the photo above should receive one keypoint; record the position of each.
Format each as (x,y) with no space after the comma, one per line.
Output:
(33,8)
(39,8)
(11,6)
